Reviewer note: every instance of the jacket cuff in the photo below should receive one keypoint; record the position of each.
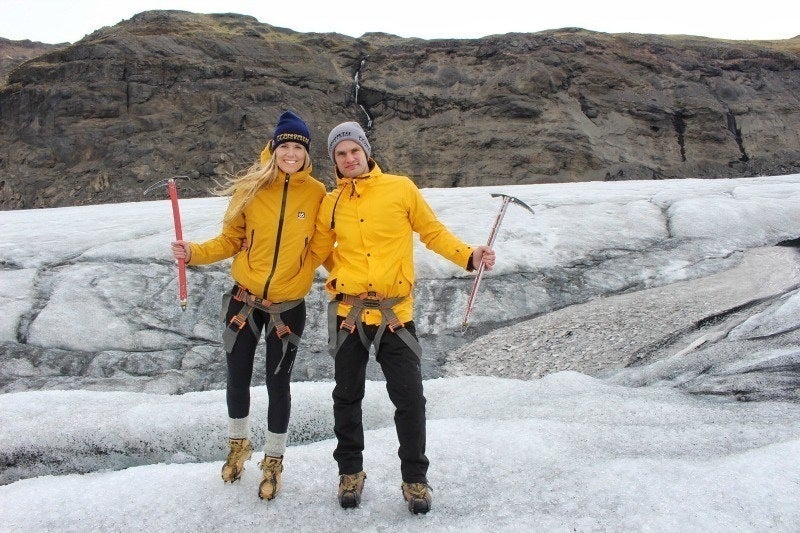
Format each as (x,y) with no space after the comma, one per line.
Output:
(193,247)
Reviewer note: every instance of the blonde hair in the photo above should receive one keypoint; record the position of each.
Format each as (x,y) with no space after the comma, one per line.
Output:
(244,186)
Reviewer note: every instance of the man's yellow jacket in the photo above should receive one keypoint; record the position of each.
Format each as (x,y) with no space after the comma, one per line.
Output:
(371,220)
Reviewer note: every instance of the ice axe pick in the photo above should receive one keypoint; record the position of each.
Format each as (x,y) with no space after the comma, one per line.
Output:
(492,236)
(172,188)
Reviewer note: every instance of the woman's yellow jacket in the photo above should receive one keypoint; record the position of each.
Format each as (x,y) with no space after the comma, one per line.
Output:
(372,220)
(278,225)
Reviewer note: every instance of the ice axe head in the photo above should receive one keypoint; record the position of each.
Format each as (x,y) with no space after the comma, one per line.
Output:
(509,198)
(163,183)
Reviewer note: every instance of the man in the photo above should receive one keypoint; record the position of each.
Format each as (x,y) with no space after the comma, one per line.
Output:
(371,218)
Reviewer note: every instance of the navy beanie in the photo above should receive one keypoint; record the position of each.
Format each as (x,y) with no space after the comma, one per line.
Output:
(291,128)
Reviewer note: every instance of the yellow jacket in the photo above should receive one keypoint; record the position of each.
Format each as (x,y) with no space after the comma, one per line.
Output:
(372,220)
(278,224)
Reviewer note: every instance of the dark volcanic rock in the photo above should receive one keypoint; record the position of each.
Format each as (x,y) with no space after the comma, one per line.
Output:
(162,94)
(574,105)
(12,53)
(173,93)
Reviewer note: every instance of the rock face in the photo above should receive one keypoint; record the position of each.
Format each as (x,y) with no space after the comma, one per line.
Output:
(12,53)
(173,93)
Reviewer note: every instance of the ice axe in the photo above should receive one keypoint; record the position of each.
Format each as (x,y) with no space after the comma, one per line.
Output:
(492,236)
(176,216)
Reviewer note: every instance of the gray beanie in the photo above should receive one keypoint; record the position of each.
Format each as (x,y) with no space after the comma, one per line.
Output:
(348,131)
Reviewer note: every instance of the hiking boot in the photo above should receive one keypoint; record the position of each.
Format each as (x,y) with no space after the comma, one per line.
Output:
(350,487)
(418,496)
(271,477)
(241,451)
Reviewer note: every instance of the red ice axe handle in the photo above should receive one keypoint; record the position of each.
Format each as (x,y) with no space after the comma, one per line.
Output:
(176,216)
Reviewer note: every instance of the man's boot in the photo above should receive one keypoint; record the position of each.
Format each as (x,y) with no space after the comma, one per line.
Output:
(418,496)
(350,487)
(271,477)
(241,451)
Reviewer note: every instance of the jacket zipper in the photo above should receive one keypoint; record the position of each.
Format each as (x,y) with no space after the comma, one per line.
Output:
(252,241)
(303,255)
(278,235)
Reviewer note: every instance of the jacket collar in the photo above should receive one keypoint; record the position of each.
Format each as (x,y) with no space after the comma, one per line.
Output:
(374,172)
(298,177)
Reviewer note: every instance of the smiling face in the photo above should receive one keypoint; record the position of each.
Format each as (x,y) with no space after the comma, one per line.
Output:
(350,159)
(290,157)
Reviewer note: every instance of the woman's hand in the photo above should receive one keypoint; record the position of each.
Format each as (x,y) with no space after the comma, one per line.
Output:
(181,251)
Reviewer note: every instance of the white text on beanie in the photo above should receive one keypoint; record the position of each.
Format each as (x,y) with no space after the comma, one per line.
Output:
(348,131)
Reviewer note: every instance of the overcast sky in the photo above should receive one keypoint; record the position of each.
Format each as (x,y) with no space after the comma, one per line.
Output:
(55,21)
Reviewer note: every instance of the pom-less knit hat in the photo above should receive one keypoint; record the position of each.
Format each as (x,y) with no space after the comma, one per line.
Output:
(291,128)
(348,131)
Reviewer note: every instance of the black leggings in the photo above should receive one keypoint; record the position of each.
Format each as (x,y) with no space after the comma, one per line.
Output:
(240,366)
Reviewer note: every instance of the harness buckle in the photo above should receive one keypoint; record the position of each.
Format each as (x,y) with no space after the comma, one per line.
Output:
(394,324)
(370,299)
(349,326)
(282,330)
(239,321)
(241,294)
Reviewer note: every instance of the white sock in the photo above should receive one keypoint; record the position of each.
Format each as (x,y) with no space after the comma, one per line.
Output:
(275,446)
(239,428)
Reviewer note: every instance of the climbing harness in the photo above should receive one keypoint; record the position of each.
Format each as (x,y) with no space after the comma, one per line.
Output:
(352,322)
(245,316)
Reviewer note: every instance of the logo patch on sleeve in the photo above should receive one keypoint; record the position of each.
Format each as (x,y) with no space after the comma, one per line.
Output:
(301,214)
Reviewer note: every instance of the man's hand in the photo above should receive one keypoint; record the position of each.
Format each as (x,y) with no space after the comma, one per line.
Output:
(483,254)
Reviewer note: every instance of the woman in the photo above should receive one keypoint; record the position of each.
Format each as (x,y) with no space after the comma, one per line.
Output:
(268,225)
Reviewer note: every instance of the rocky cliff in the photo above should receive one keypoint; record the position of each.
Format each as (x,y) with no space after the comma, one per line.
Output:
(174,93)
(12,53)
